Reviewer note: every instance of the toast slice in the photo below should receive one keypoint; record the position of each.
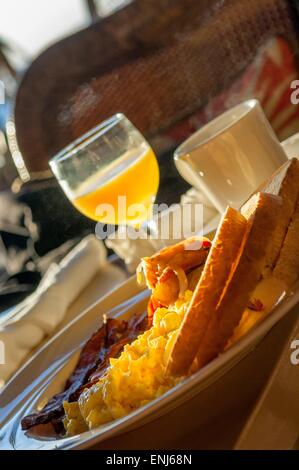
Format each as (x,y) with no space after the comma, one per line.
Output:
(287,266)
(261,213)
(284,183)
(223,253)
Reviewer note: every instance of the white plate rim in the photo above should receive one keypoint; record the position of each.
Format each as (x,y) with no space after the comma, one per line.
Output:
(213,370)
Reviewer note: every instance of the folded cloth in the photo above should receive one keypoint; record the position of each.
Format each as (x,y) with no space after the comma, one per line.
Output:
(131,248)
(27,324)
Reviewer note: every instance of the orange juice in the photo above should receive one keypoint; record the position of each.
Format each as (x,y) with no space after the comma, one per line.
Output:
(123,192)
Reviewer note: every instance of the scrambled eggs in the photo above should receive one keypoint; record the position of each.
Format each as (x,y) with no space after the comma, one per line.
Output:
(136,377)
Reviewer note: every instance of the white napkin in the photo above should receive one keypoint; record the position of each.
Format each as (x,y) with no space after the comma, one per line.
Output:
(26,325)
(131,250)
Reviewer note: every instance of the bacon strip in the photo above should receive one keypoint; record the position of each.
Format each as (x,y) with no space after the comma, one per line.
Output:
(107,342)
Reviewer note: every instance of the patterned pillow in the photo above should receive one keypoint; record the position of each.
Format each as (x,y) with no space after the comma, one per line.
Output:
(268,79)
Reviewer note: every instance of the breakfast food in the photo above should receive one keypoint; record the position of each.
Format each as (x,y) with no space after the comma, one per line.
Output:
(284,183)
(204,297)
(104,344)
(134,378)
(169,273)
(225,248)
(287,265)
(244,277)
(219,300)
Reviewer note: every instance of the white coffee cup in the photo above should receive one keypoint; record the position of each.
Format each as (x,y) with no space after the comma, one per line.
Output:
(291,146)
(228,158)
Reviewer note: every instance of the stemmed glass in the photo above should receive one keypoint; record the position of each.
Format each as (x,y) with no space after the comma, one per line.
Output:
(110,174)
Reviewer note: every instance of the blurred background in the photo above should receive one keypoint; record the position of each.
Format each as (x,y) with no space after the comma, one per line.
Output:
(29,27)
(169,65)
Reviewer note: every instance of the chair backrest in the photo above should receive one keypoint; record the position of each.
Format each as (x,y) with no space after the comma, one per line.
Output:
(157,62)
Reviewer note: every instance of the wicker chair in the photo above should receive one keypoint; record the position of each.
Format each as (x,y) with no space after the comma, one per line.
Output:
(158,62)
